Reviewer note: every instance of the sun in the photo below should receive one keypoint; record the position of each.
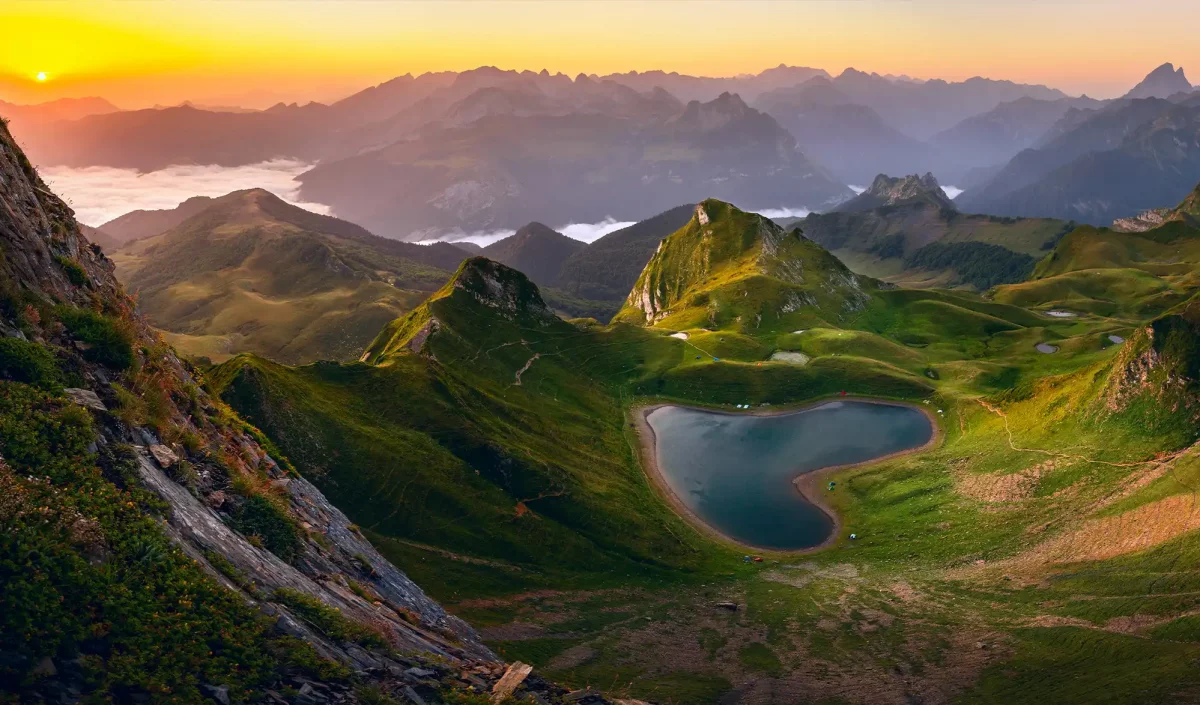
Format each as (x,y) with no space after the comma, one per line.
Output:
(41,76)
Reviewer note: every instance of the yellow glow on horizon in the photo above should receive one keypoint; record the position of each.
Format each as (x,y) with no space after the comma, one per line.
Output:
(141,53)
(41,76)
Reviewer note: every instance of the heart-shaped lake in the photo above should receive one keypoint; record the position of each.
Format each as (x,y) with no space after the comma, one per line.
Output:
(735,471)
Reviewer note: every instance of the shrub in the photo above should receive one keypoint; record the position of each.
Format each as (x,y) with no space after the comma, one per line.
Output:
(327,619)
(23,361)
(150,622)
(109,342)
(259,515)
(130,407)
(75,273)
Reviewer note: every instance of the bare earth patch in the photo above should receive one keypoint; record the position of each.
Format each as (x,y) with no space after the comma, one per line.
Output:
(1004,488)
(1107,537)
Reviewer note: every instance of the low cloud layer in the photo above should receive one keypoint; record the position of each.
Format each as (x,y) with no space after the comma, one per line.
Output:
(584,232)
(590,232)
(952,191)
(774,213)
(99,194)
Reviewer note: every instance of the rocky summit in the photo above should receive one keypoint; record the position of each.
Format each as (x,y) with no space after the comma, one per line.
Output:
(893,191)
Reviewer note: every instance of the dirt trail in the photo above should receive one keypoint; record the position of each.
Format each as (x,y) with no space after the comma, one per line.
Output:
(524,369)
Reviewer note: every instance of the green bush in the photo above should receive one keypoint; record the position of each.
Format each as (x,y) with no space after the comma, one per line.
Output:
(75,273)
(23,361)
(89,576)
(109,342)
(327,619)
(261,516)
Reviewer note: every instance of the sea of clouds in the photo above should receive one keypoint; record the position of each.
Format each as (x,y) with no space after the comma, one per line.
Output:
(98,194)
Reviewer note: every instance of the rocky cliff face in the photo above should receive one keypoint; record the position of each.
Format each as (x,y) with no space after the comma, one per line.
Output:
(228,575)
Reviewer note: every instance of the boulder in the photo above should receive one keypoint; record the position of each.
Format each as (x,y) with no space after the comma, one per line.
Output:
(85,398)
(164,456)
(517,672)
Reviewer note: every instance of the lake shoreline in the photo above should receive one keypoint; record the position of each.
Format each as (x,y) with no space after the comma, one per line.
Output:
(806,484)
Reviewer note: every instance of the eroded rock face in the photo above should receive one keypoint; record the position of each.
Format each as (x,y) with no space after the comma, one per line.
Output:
(1140,223)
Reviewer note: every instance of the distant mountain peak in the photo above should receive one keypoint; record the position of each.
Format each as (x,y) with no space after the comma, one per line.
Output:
(715,113)
(536,250)
(1162,82)
(893,191)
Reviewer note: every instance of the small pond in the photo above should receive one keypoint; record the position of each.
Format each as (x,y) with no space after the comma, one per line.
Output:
(735,472)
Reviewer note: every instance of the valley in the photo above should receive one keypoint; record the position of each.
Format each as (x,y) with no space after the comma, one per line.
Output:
(991,553)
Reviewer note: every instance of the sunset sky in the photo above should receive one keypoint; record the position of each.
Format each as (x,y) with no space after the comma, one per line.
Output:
(255,53)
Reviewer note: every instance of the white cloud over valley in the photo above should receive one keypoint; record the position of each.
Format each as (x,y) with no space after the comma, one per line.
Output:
(98,194)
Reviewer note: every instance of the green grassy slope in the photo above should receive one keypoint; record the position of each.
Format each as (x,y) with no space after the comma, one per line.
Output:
(1121,275)
(463,457)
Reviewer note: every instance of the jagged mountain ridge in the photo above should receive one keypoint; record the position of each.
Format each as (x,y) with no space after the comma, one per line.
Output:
(1100,165)
(502,171)
(852,140)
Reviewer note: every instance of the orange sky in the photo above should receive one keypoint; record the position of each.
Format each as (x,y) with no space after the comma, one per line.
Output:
(257,52)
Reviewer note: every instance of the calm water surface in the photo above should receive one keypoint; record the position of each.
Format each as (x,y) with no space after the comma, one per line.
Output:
(735,471)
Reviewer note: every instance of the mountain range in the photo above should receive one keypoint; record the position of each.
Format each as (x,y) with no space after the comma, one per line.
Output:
(502,170)
(446,137)
(1098,165)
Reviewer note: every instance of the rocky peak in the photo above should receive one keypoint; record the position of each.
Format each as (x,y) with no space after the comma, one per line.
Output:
(893,191)
(502,288)
(535,229)
(1162,82)
(717,113)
